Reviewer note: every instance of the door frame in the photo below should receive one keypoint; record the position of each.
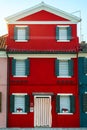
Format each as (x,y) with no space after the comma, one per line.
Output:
(43,96)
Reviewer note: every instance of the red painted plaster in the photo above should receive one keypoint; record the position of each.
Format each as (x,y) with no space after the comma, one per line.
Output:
(42,79)
(43,16)
(42,38)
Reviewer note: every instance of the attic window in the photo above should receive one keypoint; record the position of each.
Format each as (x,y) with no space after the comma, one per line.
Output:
(21,33)
(63,33)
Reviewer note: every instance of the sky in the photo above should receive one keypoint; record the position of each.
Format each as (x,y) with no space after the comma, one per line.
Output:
(75,7)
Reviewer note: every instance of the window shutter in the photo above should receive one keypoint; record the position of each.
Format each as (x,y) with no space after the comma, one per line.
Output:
(0,100)
(72,103)
(13,66)
(85,65)
(15,33)
(70,67)
(12,103)
(69,30)
(57,67)
(57,33)
(57,103)
(27,66)
(85,102)
(27,33)
(27,103)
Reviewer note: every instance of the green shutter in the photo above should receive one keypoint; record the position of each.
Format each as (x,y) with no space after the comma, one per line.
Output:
(85,102)
(27,33)
(57,67)
(70,67)
(13,66)
(12,103)
(85,65)
(69,31)
(15,32)
(58,103)
(0,100)
(72,103)
(27,66)
(57,33)
(27,103)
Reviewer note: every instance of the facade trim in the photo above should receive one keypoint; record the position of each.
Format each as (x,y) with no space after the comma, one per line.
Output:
(59,56)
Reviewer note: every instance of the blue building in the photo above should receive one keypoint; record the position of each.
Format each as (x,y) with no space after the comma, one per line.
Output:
(82,62)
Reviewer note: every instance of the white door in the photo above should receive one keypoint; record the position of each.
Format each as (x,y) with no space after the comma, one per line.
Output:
(42,111)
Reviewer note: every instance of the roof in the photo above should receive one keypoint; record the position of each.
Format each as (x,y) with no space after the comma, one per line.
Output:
(39,7)
(3,45)
(63,49)
(83,47)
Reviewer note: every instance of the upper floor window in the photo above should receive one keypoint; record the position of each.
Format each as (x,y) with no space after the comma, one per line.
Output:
(65,103)
(20,68)
(21,33)
(63,33)
(64,68)
(19,103)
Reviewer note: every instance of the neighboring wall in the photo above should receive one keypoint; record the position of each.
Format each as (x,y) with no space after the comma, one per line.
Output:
(3,89)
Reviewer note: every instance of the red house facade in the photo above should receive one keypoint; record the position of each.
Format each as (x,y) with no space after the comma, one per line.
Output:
(43,75)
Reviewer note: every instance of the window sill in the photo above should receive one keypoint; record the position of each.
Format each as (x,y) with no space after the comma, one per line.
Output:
(65,113)
(63,76)
(19,113)
(19,76)
(21,40)
(63,40)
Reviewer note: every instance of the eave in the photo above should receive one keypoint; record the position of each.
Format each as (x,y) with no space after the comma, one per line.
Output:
(39,7)
(41,52)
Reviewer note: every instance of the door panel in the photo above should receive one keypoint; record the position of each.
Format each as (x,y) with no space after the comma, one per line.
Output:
(42,111)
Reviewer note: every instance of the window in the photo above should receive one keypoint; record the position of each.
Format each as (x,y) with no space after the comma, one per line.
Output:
(21,33)
(64,68)
(63,33)
(20,67)
(19,103)
(65,103)
(0,100)
(85,66)
(85,102)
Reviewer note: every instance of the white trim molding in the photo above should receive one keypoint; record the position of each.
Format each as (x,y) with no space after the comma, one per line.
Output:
(41,22)
(59,56)
(64,94)
(19,94)
(40,7)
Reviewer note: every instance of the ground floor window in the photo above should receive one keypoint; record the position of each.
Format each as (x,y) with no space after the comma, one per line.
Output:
(65,103)
(19,103)
(85,102)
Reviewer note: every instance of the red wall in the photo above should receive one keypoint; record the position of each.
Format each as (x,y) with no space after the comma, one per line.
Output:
(42,71)
(42,38)
(42,79)
(43,16)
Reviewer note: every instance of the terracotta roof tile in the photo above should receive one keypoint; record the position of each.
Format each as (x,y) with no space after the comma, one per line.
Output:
(3,45)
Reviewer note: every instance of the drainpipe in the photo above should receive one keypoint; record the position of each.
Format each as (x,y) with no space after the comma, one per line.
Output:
(7,88)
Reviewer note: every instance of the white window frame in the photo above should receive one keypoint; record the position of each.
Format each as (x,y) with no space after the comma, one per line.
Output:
(19,40)
(15,70)
(64,94)
(19,94)
(66,76)
(61,40)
